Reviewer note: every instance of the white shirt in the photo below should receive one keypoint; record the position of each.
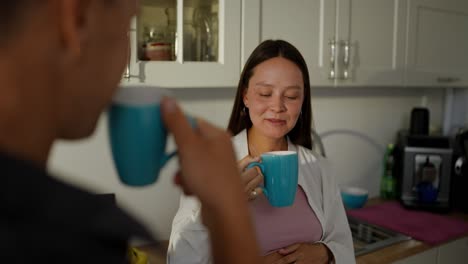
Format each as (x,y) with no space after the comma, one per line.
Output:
(189,241)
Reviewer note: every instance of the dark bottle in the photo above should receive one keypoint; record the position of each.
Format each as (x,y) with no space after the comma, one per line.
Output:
(388,182)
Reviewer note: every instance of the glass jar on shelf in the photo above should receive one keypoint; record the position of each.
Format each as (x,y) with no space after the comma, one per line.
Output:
(156,45)
(205,23)
(156,30)
(171,30)
(189,35)
(215,31)
(158,36)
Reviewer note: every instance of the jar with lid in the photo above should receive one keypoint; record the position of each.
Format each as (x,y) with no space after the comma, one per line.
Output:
(159,39)
(157,48)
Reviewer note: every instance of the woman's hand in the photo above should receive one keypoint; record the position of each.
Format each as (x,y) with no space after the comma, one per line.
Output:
(251,178)
(303,253)
(271,258)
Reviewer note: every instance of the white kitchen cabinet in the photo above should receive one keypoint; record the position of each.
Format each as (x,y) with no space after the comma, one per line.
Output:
(344,42)
(437,42)
(186,43)
(374,33)
(455,252)
(426,257)
(307,24)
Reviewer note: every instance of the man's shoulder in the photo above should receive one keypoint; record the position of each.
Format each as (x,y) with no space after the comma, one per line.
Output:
(58,216)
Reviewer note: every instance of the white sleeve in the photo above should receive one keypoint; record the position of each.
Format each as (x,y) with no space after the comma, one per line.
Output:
(337,234)
(189,242)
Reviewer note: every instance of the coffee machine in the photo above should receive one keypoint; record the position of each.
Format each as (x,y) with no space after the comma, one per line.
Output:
(423,168)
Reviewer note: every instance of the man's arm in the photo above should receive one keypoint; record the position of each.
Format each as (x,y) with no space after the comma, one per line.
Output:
(209,171)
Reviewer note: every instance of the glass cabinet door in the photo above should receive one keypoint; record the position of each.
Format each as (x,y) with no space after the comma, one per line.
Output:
(201,31)
(186,43)
(157,30)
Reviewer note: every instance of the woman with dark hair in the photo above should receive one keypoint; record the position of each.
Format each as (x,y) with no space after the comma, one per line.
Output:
(271,112)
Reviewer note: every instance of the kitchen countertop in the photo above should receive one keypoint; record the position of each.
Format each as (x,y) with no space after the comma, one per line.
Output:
(157,254)
(401,250)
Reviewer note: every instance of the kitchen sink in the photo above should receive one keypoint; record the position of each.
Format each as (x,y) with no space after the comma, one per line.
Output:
(368,237)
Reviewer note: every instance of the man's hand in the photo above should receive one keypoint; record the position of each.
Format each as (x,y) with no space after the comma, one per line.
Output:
(208,165)
(209,171)
(271,258)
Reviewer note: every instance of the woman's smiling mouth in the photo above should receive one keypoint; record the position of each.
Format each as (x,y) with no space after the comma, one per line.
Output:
(276,122)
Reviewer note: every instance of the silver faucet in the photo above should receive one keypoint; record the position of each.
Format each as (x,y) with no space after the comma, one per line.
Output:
(317,143)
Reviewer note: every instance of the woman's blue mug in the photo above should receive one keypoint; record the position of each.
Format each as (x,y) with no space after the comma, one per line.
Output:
(280,171)
(137,134)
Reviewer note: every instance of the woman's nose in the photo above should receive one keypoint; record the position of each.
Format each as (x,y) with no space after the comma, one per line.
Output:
(277,104)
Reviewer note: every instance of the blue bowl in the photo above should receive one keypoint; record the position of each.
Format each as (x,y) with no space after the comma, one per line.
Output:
(354,197)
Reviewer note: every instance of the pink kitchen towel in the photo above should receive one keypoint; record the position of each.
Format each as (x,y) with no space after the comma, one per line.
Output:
(424,226)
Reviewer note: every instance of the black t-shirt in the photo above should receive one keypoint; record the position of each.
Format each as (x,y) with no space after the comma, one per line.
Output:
(43,220)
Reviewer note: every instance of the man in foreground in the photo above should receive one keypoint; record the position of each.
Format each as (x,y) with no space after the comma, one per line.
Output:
(60,63)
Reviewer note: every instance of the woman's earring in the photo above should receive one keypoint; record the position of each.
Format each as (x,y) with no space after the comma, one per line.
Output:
(244,112)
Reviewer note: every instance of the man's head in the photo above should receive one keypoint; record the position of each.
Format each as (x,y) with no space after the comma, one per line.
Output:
(9,15)
(64,58)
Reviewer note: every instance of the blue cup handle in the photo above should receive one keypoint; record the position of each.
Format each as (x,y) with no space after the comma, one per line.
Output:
(262,168)
(167,157)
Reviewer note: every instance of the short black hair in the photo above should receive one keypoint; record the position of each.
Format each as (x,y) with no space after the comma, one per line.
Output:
(10,14)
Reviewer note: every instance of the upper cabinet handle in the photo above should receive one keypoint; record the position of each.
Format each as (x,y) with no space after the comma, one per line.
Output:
(346,58)
(332,44)
(331,74)
(127,75)
(347,51)
(447,79)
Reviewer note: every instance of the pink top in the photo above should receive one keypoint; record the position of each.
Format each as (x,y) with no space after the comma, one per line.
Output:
(279,227)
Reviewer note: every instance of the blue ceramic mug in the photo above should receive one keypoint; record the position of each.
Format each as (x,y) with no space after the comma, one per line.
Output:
(137,134)
(280,171)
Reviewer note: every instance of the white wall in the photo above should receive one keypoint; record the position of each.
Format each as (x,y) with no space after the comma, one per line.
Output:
(460,109)
(356,124)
